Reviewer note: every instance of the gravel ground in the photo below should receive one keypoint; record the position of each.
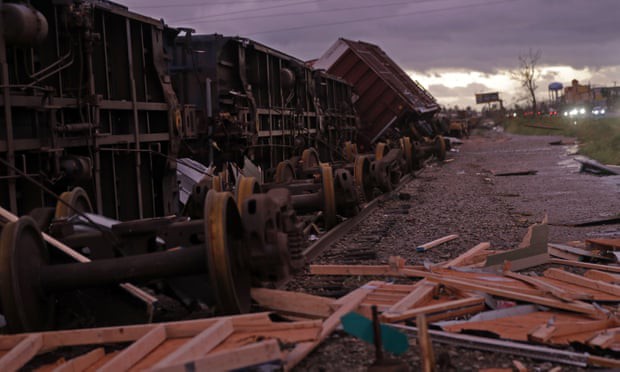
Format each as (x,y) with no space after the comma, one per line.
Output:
(463,197)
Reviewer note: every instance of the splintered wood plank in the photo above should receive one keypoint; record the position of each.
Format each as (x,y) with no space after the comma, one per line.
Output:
(117,334)
(348,303)
(136,351)
(605,338)
(101,361)
(464,259)
(582,281)
(243,357)
(426,246)
(602,276)
(432,309)
(613,269)
(286,336)
(81,362)
(167,347)
(21,353)
(575,306)
(546,332)
(547,287)
(354,270)
(426,346)
(292,302)
(201,344)
(421,294)
(588,293)
(515,327)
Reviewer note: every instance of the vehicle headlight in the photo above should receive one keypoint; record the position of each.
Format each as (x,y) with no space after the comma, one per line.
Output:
(582,111)
(602,111)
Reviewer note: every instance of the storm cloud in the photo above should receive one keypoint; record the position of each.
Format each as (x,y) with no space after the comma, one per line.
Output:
(421,35)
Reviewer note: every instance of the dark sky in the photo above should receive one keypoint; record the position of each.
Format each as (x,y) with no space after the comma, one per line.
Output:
(428,37)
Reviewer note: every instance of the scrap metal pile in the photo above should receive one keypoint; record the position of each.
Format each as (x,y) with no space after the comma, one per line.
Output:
(179,169)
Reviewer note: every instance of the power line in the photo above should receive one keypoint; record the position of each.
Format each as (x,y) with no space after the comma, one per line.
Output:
(205,3)
(380,17)
(247,10)
(318,11)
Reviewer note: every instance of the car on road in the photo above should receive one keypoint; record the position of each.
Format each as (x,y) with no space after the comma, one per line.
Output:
(598,110)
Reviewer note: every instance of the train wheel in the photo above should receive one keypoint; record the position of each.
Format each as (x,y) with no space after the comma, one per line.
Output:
(381,150)
(22,253)
(310,159)
(285,172)
(363,178)
(440,148)
(350,151)
(227,255)
(329,197)
(216,184)
(405,144)
(247,187)
(78,198)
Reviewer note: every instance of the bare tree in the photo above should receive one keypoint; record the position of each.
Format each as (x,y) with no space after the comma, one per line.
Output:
(527,73)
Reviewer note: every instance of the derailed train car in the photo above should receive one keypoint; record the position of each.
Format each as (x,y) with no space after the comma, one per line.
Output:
(96,96)
(87,101)
(251,100)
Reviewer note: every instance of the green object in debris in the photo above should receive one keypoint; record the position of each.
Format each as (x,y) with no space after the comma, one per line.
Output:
(361,327)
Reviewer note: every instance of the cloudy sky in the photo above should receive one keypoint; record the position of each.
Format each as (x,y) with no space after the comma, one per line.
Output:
(455,48)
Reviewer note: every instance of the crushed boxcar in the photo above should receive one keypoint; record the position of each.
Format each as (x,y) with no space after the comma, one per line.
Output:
(388,99)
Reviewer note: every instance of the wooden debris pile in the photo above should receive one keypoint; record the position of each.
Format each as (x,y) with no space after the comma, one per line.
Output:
(471,293)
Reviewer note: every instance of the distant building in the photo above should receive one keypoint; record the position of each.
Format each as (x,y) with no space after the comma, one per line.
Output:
(577,93)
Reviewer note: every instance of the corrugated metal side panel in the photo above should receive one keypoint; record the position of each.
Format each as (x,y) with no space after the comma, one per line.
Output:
(415,95)
(378,104)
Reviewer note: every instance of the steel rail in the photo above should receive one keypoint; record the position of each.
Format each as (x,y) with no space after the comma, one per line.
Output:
(336,233)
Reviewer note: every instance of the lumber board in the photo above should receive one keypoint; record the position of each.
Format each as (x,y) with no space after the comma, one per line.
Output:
(583,281)
(82,362)
(547,287)
(455,313)
(605,338)
(296,303)
(422,293)
(166,348)
(577,251)
(246,356)
(432,244)
(116,334)
(348,303)
(200,345)
(21,353)
(562,254)
(101,361)
(462,260)
(602,276)
(575,306)
(426,346)
(285,336)
(354,270)
(587,265)
(432,309)
(515,327)
(546,332)
(136,351)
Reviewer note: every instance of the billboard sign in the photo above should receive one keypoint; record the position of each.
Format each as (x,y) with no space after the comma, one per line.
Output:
(487,97)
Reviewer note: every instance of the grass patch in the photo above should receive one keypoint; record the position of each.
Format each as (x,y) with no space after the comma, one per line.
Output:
(599,138)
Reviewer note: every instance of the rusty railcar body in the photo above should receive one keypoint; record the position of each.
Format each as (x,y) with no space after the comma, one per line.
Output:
(257,102)
(89,103)
(388,99)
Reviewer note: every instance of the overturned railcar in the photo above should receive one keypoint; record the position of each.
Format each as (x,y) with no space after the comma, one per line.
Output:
(388,99)
(86,100)
(249,100)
